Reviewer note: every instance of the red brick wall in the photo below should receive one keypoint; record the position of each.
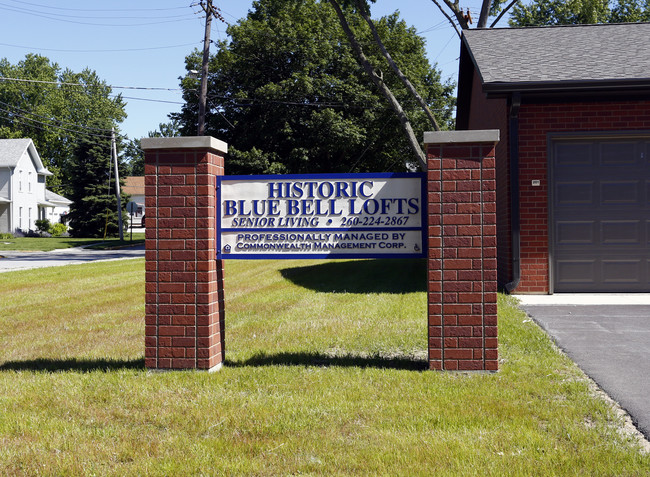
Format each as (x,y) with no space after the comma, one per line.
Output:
(184,324)
(536,121)
(493,114)
(462,285)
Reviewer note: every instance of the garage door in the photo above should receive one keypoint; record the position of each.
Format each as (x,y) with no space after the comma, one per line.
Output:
(600,196)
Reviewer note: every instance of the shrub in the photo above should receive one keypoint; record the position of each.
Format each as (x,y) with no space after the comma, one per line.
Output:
(42,225)
(6,236)
(58,229)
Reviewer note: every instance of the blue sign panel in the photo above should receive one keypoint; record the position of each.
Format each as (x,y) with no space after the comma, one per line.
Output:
(321,216)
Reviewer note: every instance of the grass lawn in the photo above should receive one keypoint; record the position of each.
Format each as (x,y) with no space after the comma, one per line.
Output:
(324,376)
(46,244)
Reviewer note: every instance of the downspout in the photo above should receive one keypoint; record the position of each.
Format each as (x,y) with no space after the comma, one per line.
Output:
(513,138)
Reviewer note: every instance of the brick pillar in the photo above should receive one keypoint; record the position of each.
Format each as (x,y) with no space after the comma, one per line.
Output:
(184,281)
(462,250)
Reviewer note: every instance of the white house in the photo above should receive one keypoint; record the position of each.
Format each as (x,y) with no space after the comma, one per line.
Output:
(55,206)
(134,186)
(23,197)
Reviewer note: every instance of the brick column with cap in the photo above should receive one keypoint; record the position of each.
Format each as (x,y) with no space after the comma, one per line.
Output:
(462,286)
(184,327)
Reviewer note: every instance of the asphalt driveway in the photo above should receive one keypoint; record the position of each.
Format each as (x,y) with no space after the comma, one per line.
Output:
(11,261)
(608,336)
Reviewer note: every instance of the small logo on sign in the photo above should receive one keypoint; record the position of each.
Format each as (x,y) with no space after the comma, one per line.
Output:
(226,249)
(416,248)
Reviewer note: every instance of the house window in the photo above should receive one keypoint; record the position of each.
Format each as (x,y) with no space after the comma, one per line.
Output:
(29,219)
(29,182)
(20,218)
(20,181)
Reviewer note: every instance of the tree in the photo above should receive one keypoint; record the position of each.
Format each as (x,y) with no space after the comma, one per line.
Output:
(93,212)
(461,20)
(54,108)
(362,8)
(133,154)
(631,11)
(377,78)
(287,94)
(561,12)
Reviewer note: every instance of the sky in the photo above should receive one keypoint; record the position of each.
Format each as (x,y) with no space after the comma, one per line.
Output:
(139,47)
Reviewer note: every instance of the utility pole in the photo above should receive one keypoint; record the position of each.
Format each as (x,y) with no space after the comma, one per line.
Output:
(209,10)
(117,184)
(203,94)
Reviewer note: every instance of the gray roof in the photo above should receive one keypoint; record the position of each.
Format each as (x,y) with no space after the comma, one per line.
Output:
(54,197)
(605,54)
(11,150)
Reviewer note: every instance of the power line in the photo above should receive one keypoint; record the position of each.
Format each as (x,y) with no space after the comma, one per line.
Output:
(22,119)
(437,26)
(249,102)
(152,100)
(49,118)
(96,10)
(26,10)
(49,17)
(332,104)
(100,51)
(60,83)
(241,102)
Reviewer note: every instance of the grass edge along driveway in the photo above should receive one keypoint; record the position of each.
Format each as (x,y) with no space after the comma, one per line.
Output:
(324,376)
(47,244)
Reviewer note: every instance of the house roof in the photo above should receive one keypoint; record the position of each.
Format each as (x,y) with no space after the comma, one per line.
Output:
(12,150)
(566,57)
(133,185)
(56,198)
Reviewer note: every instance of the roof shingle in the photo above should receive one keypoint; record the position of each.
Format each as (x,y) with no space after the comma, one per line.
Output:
(11,150)
(576,53)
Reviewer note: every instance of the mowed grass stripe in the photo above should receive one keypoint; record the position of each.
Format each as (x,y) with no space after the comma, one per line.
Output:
(316,382)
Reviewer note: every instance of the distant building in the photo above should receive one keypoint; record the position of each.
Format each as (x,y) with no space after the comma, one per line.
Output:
(134,187)
(23,197)
(57,206)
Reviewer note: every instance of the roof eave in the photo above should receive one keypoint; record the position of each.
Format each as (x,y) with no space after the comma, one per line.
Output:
(565,86)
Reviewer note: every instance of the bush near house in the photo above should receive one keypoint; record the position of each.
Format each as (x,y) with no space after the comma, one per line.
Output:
(47,229)
(58,229)
(42,225)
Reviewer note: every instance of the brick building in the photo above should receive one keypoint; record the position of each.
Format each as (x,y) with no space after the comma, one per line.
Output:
(573,164)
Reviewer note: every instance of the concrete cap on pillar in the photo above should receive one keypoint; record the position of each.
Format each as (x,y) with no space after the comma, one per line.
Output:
(462,137)
(206,143)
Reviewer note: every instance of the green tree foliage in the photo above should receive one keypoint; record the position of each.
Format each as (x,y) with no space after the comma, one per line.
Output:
(54,115)
(134,158)
(94,205)
(568,12)
(288,96)
(630,11)
(132,151)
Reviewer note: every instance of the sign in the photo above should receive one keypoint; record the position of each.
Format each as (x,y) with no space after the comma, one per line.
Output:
(318,216)
(132,208)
